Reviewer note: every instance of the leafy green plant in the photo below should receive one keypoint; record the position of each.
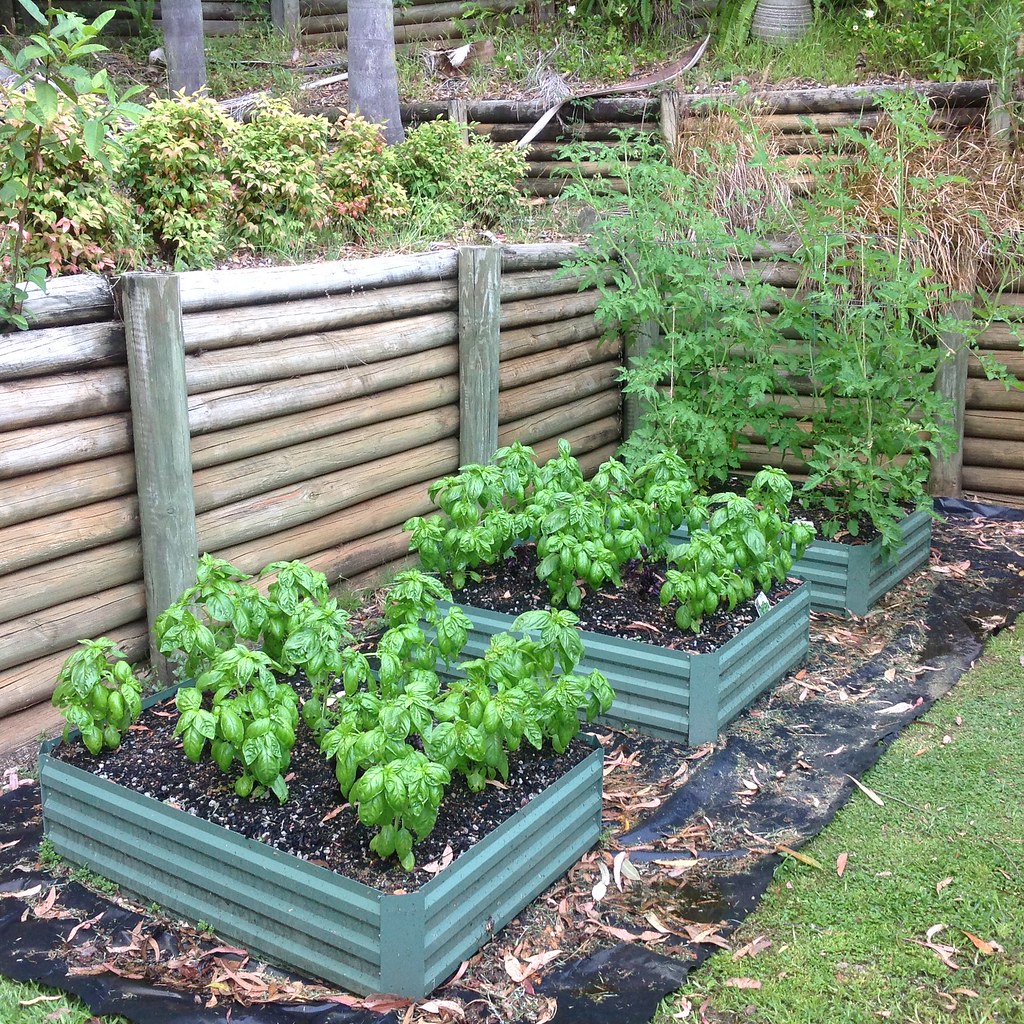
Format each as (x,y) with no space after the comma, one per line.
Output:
(737,543)
(98,694)
(586,530)
(668,262)
(235,642)
(59,208)
(273,164)
(397,736)
(175,168)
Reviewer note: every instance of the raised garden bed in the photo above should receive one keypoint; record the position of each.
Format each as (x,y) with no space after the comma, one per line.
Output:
(854,577)
(304,916)
(672,693)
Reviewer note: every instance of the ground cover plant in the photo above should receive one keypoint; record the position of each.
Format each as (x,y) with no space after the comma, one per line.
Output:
(587,533)
(912,907)
(394,735)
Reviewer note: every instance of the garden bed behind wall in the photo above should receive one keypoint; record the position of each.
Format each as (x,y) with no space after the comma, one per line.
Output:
(319,403)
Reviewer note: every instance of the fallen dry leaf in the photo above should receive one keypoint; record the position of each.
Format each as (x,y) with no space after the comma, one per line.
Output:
(797,855)
(22,894)
(869,793)
(752,948)
(939,886)
(39,999)
(752,983)
(841,863)
(988,948)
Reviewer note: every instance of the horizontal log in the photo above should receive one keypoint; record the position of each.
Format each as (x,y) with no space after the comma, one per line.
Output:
(514,373)
(312,460)
(61,397)
(989,395)
(308,354)
(61,444)
(526,284)
(537,256)
(518,403)
(331,531)
(270,435)
(562,419)
(522,341)
(47,631)
(527,112)
(1001,337)
(995,498)
(24,686)
(826,99)
(250,404)
(552,187)
(563,170)
(203,290)
(60,349)
(300,503)
(81,299)
(1010,307)
(591,444)
(65,579)
(959,117)
(362,584)
(364,558)
(53,490)
(25,728)
(609,132)
(51,537)
(542,310)
(1005,426)
(275,320)
(995,453)
(993,481)
(1011,361)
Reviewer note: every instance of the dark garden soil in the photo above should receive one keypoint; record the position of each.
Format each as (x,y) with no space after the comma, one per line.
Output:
(631,611)
(315,824)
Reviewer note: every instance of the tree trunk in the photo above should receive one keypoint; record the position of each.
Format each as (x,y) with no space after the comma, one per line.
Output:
(373,78)
(183,45)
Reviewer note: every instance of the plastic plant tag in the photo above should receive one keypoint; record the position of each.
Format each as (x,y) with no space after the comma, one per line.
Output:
(762,604)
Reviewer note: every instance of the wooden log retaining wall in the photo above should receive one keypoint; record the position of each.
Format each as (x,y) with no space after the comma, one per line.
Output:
(322,401)
(220,17)
(804,124)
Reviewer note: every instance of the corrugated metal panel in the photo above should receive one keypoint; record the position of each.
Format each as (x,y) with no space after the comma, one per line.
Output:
(304,916)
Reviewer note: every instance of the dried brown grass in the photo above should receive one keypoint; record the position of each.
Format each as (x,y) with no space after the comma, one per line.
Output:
(750,186)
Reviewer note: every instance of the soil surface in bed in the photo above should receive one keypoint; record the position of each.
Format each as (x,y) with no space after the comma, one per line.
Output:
(632,611)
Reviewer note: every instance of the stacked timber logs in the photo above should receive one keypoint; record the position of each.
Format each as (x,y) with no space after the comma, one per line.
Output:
(220,17)
(70,563)
(993,452)
(325,22)
(557,377)
(322,402)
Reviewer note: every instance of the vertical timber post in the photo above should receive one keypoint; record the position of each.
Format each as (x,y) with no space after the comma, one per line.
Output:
(284,15)
(479,344)
(670,123)
(163,456)
(951,383)
(458,113)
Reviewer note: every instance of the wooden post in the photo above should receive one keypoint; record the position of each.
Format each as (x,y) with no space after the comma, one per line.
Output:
(634,349)
(670,122)
(998,122)
(163,459)
(479,341)
(284,15)
(951,383)
(458,112)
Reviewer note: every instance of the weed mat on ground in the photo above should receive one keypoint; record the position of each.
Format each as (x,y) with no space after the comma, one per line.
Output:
(695,837)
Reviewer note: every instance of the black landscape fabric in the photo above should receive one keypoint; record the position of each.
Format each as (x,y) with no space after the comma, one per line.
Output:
(622,984)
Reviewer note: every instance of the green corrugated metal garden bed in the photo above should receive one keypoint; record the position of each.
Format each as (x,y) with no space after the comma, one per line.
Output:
(304,916)
(684,697)
(855,577)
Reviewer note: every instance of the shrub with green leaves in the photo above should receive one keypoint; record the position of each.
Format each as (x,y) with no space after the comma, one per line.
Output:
(460,181)
(273,162)
(60,210)
(175,169)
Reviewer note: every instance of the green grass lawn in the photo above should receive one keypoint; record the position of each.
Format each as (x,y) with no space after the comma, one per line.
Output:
(941,862)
